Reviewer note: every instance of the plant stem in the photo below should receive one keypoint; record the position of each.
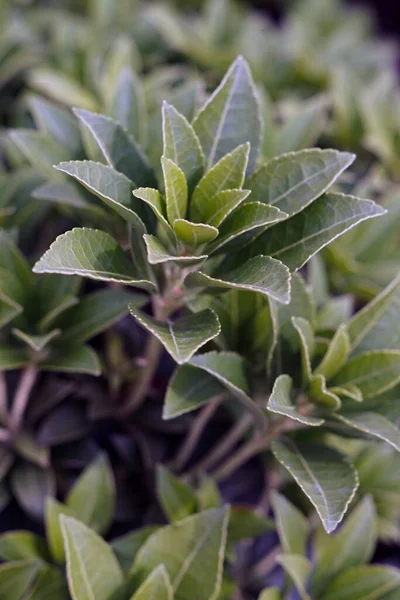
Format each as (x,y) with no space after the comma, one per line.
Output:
(261,569)
(226,444)
(195,432)
(3,398)
(244,454)
(21,399)
(4,435)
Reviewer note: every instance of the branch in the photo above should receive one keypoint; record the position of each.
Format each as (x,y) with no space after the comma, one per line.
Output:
(21,399)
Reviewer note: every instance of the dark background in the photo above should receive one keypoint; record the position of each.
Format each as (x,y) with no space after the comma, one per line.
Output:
(387,12)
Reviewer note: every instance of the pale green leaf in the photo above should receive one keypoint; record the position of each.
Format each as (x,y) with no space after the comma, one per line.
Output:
(112,187)
(53,511)
(22,545)
(90,253)
(291,524)
(195,566)
(348,391)
(280,402)
(324,475)
(307,345)
(175,496)
(250,217)
(376,326)
(39,149)
(127,546)
(82,359)
(228,174)
(127,105)
(155,201)
(57,122)
(270,594)
(16,578)
(300,305)
(223,204)
(118,147)
(194,234)
(58,86)
(373,424)
(92,497)
(299,238)
(353,545)
(231,117)
(299,570)
(92,569)
(304,128)
(157,586)
(181,338)
(187,391)
(336,355)
(372,372)
(182,145)
(176,190)
(294,180)
(157,253)
(373,582)
(320,394)
(259,274)
(36,342)
(49,584)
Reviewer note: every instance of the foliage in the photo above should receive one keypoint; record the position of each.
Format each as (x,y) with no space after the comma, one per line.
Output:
(229,188)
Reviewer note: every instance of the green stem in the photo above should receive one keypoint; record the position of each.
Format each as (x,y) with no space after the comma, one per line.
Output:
(3,399)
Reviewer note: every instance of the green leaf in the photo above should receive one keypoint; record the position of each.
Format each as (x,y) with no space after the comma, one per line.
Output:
(280,402)
(228,174)
(231,117)
(49,584)
(126,547)
(60,87)
(324,475)
(92,569)
(157,253)
(187,391)
(299,569)
(69,360)
(175,496)
(182,145)
(16,578)
(348,391)
(353,545)
(13,261)
(12,358)
(291,524)
(8,309)
(95,313)
(195,566)
(36,342)
(90,253)
(157,586)
(250,217)
(300,305)
(375,327)
(118,147)
(320,394)
(31,485)
(39,149)
(176,190)
(112,187)
(374,424)
(53,511)
(127,105)
(307,345)
(244,524)
(223,204)
(22,545)
(295,180)
(57,122)
(336,355)
(299,238)
(365,583)
(194,234)
(304,129)
(154,199)
(183,337)
(92,497)
(259,274)
(270,594)
(372,372)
